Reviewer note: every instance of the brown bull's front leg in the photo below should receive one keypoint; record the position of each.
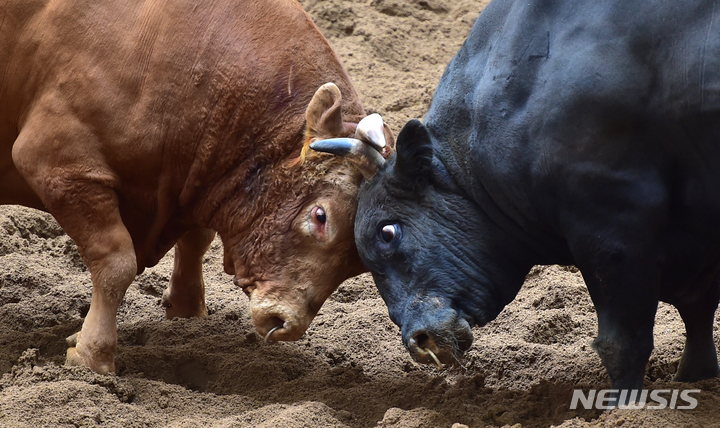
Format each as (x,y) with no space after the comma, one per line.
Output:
(112,265)
(55,155)
(185,297)
(107,248)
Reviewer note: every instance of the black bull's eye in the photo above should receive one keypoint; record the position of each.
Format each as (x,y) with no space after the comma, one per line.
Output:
(388,232)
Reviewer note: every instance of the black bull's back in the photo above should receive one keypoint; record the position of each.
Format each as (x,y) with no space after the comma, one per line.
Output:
(555,110)
(562,132)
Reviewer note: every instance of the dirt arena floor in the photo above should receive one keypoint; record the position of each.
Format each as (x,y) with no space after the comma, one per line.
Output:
(350,369)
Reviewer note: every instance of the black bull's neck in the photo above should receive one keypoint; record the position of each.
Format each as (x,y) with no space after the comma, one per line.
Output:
(534,244)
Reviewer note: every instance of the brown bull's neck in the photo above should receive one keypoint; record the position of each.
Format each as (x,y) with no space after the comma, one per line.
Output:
(219,181)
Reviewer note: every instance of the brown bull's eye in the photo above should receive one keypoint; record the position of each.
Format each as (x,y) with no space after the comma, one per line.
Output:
(387,233)
(320,215)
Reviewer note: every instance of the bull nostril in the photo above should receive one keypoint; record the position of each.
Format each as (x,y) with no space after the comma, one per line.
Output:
(277,324)
(424,345)
(267,336)
(464,344)
(277,321)
(422,340)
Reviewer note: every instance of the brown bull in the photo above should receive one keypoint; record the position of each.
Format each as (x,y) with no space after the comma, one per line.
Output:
(146,124)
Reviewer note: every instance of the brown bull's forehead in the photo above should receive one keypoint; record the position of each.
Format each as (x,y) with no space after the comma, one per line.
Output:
(294,258)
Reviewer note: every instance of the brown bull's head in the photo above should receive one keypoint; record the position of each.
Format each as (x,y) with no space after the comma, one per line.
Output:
(301,245)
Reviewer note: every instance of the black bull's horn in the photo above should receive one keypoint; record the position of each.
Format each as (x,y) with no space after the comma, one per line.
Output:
(365,150)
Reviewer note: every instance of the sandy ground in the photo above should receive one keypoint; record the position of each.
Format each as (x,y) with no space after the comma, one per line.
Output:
(350,369)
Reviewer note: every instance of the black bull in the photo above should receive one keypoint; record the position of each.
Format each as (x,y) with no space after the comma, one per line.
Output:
(568,132)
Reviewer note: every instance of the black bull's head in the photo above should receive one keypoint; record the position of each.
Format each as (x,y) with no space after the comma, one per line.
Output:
(434,254)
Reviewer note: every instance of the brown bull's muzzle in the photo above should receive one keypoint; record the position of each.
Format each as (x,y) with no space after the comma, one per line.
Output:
(277,321)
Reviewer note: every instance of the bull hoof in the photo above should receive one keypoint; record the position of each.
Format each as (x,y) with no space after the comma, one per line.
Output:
(72,340)
(75,357)
(696,375)
(165,302)
(178,310)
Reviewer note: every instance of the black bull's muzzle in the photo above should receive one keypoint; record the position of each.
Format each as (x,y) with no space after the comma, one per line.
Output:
(435,333)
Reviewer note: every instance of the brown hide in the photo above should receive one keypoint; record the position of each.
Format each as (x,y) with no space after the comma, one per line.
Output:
(134,122)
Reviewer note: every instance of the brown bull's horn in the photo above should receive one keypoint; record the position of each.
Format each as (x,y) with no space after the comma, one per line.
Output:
(364,155)
(371,130)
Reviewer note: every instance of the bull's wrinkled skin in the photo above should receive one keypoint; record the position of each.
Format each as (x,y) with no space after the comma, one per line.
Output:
(568,132)
(142,124)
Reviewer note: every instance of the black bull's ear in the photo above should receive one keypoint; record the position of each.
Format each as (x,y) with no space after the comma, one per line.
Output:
(413,166)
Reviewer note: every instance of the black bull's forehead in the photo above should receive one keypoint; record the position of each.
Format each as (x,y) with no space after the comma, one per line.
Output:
(438,253)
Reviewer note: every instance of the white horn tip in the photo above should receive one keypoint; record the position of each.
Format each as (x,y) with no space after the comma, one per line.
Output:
(370,130)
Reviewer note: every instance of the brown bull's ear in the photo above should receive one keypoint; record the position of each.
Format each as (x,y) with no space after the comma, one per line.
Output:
(323,117)
(323,114)
(414,154)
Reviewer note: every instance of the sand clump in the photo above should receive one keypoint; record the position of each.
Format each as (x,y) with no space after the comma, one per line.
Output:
(350,369)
